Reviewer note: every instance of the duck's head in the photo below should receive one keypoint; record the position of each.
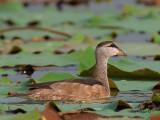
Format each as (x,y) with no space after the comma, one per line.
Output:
(107,49)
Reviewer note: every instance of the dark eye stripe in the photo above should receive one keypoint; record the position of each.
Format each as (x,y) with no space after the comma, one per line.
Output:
(113,45)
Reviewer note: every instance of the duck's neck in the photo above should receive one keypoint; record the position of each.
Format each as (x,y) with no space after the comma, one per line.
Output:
(100,73)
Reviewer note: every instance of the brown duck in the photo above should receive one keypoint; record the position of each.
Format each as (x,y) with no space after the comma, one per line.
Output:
(78,89)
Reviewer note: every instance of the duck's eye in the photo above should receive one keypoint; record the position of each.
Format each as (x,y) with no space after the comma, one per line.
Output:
(112,45)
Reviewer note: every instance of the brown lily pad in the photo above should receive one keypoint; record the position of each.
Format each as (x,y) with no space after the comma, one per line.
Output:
(52,112)
(15,50)
(156,87)
(122,105)
(147,105)
(155,117)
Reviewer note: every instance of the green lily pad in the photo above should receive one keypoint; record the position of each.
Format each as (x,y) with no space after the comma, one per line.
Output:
(156,98)
(4,80)
(32,115)
(127,112)
(11,7)
(55,76)
(87,60)
(25,107)
(156,38)
(140,49)
(77,37)
(6,87)
(131,84)
(24,58)
(118,105)
(3,108)
(10,72)
(129,20)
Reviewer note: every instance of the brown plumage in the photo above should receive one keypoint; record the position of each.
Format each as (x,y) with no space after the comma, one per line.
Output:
(78,89)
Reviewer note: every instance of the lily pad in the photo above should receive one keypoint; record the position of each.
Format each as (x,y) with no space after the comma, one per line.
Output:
(4,80)
(11,7)
(32,115)
(131,84)
(140,49)
(6,86)
(25,107)
(156,98)
(127,112)
(119,105)
(55,76)
(9,72)
(155,38)
(25,58)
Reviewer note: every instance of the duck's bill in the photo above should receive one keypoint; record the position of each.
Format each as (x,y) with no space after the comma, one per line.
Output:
(121,53)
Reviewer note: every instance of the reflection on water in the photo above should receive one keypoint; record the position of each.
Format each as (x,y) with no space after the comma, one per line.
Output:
(133,96)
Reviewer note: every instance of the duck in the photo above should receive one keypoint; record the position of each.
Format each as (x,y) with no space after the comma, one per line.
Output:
(79,89)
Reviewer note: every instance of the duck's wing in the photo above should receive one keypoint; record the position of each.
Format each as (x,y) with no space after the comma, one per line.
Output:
(47,85)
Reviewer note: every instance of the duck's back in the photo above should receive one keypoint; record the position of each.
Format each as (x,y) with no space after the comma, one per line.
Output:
(71,89)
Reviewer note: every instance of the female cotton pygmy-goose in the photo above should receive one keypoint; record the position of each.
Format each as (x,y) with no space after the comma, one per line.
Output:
(77,89)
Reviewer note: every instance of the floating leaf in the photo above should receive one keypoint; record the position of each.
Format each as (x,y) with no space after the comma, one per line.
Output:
(6,86)
(145,114)
(147,105)
(8,72)
(51,112)
(132,84)
(11,7)
(87,59)
(77,38)
(32,115)
(4,80)
(54,76)
(15,49)
(155,38)
(24,58)
(156,98)
(156,87)
(140,49)
(25,107)
(119,105)
(155,117)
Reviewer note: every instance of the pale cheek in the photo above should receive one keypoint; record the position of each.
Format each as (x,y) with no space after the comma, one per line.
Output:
(115,52)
